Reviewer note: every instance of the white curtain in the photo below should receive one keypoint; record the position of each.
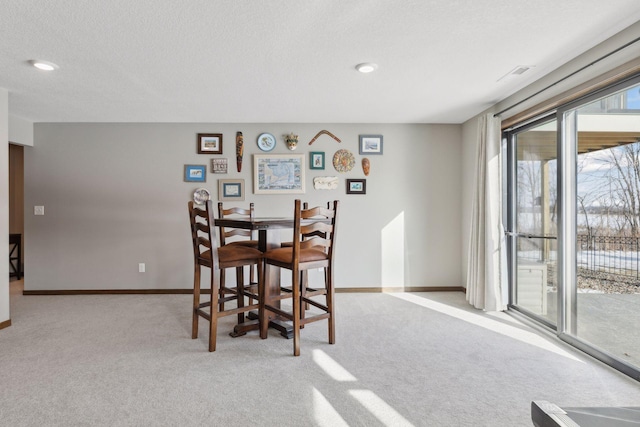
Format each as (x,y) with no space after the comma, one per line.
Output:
(487,255)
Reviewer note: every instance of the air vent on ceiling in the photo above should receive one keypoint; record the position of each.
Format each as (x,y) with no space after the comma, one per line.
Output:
(516,72)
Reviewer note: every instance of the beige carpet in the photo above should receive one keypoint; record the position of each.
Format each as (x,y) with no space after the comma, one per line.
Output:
(407,359)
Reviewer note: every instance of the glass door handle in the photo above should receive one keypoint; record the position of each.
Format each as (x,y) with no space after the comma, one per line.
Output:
(528,235)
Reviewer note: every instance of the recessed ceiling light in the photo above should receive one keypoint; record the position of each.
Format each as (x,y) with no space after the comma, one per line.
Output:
(43,65)
(366,67)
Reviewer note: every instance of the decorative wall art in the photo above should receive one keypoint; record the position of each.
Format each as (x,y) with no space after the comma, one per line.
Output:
(325,182)
(219,165)
(278,173)
(292,141)
(195,173)
(324,132)
(266,142)
(343,160)
(209,143)
(230,189)
(356,186)
(370,144)
(316,160)
(366,166)
(239,150)
(201,195)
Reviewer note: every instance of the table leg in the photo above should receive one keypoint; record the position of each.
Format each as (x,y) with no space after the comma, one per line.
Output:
(267,241)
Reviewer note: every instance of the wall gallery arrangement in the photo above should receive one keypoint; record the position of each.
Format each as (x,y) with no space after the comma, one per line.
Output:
(280,173)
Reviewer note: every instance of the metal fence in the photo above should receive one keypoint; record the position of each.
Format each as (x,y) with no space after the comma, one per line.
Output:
(609,254)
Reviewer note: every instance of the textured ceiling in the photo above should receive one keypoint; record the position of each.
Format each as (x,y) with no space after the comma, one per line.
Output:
(287,61)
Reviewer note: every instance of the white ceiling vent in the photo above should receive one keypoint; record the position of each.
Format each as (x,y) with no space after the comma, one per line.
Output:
(516,72)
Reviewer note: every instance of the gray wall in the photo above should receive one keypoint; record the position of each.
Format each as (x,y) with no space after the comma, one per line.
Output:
(114,196)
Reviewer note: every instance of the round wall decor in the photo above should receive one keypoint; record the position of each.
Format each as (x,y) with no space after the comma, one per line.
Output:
(343,160)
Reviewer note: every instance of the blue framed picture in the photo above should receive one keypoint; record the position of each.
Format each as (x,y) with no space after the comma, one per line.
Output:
(230,189)
(316,160)
(195,173)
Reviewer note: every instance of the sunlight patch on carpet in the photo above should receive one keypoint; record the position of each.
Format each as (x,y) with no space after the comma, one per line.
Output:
(324,413)
(487,323)
(331,367)
(379,408)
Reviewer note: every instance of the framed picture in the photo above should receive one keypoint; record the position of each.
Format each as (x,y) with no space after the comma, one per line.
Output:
(356,186)
(278,173)
(230,189)
(219,165)
(195,173)
(370,144)
(316,160)
(209,143)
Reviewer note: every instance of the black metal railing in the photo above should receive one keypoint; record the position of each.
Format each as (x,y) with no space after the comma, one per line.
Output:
(609,254)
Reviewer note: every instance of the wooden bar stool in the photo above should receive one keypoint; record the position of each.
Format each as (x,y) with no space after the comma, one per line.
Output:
(313,244)
(206,253)
(236,236)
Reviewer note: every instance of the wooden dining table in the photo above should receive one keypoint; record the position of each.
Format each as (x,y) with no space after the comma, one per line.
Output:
(268,229)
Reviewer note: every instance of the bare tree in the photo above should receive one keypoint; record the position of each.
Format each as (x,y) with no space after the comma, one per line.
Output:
(625,184)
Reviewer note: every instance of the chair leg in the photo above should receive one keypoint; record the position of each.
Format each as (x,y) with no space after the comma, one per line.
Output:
(304,283)
(264,318)
(240,291)
(213,323)
(328,274)
(196,301)
(262,294)
(295,301)
(252,281)
(223,285)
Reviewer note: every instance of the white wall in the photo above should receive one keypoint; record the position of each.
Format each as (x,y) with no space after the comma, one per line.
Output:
(20,131)
(114,196)
(4,207)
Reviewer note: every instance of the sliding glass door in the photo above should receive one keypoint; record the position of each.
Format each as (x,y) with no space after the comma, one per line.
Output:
(573,223)
(607,200)
(533,229)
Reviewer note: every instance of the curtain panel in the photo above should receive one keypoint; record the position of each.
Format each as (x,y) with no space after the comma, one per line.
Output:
(486,272)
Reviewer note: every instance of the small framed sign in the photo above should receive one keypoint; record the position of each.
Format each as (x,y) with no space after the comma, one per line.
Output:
(230,189)
(209,143)
(219,165)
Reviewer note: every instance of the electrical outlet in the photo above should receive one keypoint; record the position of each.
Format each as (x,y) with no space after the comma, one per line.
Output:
(141,267)
(38,210)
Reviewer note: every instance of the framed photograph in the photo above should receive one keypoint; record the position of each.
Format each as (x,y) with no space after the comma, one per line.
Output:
(231,189)
(356,186)
(278,173)
(209,143)
(316,160)
(219,165)
(195,173)
(370,144)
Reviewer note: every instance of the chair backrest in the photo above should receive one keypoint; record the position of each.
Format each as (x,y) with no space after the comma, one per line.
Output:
(226,232)
(318,234)
(203,235)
